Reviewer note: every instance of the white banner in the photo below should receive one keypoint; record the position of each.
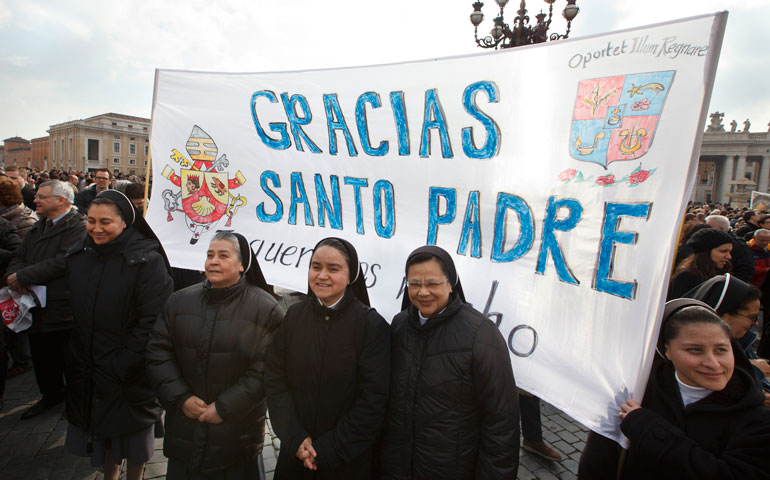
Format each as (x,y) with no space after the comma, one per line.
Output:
(556,175)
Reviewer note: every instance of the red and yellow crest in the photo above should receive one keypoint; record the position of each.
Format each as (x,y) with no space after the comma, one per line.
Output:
(205,195)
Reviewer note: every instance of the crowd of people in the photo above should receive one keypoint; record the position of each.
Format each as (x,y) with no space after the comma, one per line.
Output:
(430,394)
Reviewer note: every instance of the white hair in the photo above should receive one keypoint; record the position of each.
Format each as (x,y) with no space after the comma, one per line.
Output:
(60,189)
(720,222)
(220,235)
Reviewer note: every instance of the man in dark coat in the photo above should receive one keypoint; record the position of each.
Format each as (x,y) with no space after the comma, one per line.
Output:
(40,261)
(752,223)
(103,177)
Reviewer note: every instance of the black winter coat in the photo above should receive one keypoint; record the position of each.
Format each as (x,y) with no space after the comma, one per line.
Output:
(327,379)
(723,436)
(9,242)
(40,261)
(118,289)
(84,198)
(454,411)
(211,343)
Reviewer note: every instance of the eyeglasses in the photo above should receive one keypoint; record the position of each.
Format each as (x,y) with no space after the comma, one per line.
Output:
(754,319)
(43,197)
(430,284)
(102,178)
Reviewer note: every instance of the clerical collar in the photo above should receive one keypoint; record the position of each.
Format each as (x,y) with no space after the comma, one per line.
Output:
(689,393)
(332,306)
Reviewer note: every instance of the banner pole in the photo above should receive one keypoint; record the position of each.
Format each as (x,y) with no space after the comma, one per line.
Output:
(147,181)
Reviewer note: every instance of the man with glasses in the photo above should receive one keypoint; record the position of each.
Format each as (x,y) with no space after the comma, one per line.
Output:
(102,178)
(39,260)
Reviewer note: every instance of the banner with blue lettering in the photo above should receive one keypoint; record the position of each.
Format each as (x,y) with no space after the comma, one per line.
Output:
(556,175)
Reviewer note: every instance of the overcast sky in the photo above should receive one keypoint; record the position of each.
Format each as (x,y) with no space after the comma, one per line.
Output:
(62,61)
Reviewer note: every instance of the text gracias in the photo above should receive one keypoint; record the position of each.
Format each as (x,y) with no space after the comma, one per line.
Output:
(298,114)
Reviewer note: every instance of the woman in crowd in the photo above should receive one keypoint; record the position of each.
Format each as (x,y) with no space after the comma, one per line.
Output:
(118,280)
(13,209)
(702,415)
(328,372)
(453,410)
(711,256)
(738,304)
(206,359)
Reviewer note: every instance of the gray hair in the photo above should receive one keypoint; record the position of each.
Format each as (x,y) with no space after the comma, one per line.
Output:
(759,231)
(60,189)
(230,238)
(720,222)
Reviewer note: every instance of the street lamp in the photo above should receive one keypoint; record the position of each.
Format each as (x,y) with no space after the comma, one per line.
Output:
(502,36)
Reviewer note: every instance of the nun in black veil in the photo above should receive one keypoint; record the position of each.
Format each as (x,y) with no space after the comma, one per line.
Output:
(453,410)
(206,359)
(328,372)
(118,280)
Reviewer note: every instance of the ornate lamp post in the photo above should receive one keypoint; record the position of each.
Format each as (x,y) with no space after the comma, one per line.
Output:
(503,36)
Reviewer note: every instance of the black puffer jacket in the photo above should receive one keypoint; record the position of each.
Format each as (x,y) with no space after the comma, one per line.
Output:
(454,411)
(117,291)
(40,261)
(327,379)
(723,436)
(211,343)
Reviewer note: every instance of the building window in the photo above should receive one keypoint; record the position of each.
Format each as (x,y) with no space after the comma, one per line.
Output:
(115,171)
(145,163)
(145,129)
(146,150)
(132,149)
(116,137)
(93,150)
(61,151)
(130,126)
(115,147)
(132,172)
(115,160)
(114,124)
(132,161)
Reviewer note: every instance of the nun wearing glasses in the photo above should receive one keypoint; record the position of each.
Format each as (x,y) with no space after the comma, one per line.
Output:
(453,410)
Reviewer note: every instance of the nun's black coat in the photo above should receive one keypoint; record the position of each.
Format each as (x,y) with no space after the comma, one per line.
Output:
(327,378)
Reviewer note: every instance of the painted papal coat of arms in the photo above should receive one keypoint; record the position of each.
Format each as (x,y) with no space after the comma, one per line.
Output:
(206,187)
(615,118)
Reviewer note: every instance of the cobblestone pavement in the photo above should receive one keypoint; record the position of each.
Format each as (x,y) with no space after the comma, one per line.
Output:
(33,449)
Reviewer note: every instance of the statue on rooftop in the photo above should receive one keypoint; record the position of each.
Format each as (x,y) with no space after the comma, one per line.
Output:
(716,122)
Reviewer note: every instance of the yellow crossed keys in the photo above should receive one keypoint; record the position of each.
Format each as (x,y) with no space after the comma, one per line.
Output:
(181,160)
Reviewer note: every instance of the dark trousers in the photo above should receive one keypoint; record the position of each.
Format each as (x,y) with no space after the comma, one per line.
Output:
(3,365)
(48,353)
(529,410)
(17,344)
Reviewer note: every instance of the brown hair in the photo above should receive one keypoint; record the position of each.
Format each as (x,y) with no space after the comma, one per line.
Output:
(9,192)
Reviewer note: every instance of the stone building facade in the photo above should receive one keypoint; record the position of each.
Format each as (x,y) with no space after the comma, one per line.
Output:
(111,140)
(18,151)
(731,161)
